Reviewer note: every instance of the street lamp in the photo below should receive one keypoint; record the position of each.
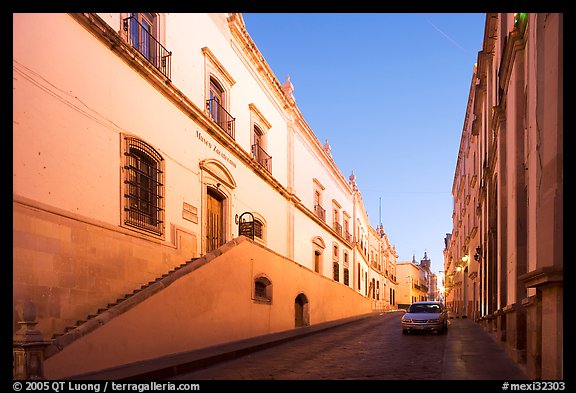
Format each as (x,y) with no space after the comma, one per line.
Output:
(441,287)
(464,260)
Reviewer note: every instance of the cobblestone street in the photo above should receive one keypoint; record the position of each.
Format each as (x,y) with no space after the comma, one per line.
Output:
(373,349)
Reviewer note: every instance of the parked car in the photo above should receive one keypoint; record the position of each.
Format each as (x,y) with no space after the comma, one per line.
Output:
(425,316)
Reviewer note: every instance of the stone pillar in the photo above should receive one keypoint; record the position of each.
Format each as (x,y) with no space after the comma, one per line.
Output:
(28,346)
(546,319)
(516,332)
(533,306)
(552,331)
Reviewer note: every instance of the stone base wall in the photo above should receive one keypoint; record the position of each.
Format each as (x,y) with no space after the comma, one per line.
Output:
(70,267)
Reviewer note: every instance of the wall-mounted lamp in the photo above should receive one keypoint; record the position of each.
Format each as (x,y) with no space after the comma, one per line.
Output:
(465,258)
(478,253)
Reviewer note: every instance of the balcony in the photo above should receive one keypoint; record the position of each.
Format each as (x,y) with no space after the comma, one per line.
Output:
(262,157)
(338,228)
(221,116)
(348,236)
(144,42)
(320,212)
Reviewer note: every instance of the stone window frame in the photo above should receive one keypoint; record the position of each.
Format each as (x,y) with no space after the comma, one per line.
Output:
(129,175)
(262,283)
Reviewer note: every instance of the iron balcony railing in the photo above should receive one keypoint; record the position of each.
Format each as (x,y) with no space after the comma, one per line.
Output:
(221,116)
(262,157)
(338,228)
(348,236)
(144,42)
(320,212)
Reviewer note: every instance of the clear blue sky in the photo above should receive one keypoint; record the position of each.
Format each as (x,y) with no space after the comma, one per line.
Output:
(389,92)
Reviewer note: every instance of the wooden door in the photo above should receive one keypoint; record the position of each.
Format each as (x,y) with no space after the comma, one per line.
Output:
(215,221)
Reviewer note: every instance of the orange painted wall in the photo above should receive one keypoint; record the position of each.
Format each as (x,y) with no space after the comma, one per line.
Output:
(208,306)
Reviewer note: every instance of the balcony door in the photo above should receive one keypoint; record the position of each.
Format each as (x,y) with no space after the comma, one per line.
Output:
(140,33)
(217,102)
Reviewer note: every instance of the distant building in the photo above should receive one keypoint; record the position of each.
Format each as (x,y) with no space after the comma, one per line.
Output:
(425,262)
(433,293)
(412,283)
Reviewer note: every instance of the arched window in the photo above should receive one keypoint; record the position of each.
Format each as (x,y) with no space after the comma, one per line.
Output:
(216,101)
(259,148)
(258,137)
(143,33)
(258,229)
(318,246)
(217,107)
(317,261)
(217,90)
(262,290)
(143,186)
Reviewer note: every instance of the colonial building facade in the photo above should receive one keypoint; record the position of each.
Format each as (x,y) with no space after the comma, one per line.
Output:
(146,145)
(414,282)
(504,258)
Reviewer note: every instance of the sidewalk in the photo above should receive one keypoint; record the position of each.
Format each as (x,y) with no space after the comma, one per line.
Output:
(472,354)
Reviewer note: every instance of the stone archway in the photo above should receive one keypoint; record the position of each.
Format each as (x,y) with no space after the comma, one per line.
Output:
(301,311)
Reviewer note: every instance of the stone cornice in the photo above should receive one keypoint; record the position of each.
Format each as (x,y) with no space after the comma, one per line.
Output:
(214,61)
(254,109)
(238,30)
(543,276)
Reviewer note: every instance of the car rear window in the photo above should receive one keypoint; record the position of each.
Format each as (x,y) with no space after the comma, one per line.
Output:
(425,308)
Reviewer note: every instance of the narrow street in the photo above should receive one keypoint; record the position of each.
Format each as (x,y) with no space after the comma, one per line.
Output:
(373,349)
